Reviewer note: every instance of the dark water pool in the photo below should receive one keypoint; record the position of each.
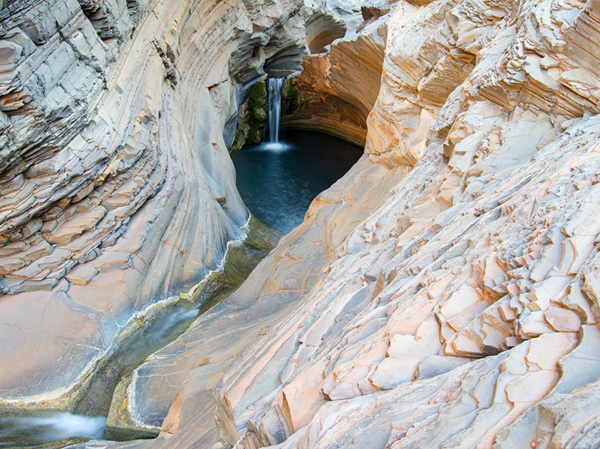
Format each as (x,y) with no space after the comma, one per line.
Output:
(279,181)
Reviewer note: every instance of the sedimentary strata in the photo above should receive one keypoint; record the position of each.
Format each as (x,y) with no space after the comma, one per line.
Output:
(444,292)
(117,190)
(335,91)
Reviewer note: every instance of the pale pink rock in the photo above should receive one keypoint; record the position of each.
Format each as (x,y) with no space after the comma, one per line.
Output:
(562,320)
(83,274)
(533,325)
(478,181)
(393,371)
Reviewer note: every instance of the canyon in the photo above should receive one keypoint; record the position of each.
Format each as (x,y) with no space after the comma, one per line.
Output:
(443,293)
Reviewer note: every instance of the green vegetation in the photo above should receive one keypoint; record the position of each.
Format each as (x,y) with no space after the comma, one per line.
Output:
(290,95)
(252,117)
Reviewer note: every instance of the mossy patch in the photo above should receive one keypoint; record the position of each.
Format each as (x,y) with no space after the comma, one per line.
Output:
(252,117)
(120,425)
(290,96)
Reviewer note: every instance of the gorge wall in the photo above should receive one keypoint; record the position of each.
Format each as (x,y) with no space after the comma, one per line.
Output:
(335,91)
(117,190)
(444,293)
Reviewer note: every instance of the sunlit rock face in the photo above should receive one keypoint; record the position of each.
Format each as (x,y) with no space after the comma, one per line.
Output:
(116,188)
(444,293)
(340,80)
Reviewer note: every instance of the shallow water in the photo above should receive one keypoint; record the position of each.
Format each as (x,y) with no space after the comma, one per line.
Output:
(38,426)
(278,181)
(49,427)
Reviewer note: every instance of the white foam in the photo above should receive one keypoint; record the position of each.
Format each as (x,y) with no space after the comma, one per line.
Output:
(275,146)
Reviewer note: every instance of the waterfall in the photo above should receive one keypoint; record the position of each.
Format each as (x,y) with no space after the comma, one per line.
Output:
(274,87)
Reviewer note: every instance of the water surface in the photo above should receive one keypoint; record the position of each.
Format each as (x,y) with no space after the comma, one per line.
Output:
(26,431)
(278,181)
(38,426)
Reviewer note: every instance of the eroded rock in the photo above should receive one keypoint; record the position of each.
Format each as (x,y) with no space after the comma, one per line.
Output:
(443,293)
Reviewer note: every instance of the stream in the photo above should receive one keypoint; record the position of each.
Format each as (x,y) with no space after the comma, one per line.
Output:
(278,180)
(52,424)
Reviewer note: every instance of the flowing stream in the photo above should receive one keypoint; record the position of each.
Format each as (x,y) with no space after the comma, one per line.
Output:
(277,180)
(82,414)
(48,427)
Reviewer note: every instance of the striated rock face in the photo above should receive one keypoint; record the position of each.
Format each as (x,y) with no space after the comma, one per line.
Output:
(322,30)
(335,92)
(444,293)
(116,187)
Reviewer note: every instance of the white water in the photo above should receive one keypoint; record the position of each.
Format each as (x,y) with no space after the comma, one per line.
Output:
(274,96)
(174,319)
(58,426)
(273,146)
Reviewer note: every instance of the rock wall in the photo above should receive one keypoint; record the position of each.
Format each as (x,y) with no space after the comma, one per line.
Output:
(116,187)
(444,293)
(251,117)
(335,91)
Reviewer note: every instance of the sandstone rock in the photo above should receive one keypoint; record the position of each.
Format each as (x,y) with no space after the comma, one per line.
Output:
(83,274)
(335,92)
(562,320)
(96,171)
(444,293)
(419,254)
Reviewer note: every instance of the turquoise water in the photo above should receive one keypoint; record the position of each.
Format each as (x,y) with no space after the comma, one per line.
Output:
(279,181)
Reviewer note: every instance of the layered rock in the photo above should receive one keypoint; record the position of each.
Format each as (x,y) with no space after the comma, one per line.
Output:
(444,293)
(322,30)
(335,92)
(117,190)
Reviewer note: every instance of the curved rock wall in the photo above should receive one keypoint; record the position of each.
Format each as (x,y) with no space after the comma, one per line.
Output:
(116,186)
(444,293)
(335,91)
(321,31)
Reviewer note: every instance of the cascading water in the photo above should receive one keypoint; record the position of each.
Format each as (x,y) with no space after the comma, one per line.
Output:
(274,97)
